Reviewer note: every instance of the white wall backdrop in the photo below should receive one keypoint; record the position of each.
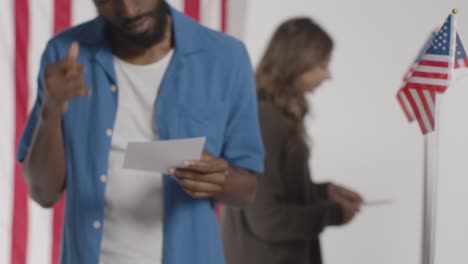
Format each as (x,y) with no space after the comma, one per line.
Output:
(360,136)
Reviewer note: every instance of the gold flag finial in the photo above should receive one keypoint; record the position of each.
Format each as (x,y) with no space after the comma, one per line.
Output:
(454,11)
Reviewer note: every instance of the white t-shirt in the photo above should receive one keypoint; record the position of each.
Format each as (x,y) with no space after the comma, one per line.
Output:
(133,213)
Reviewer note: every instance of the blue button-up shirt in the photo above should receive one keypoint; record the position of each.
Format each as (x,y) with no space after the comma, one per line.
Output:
(208,90)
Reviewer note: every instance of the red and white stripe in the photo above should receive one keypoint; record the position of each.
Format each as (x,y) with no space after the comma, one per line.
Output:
(405,105)
(29,233)
(26,230)
(422,105)
(211,13)
(432,71)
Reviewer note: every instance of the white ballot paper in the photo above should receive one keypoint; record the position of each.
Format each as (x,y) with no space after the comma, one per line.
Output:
(378,202)
(159,156)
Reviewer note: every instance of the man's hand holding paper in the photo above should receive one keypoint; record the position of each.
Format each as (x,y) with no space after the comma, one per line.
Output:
(202,178)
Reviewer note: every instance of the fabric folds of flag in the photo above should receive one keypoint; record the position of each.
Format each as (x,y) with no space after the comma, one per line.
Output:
(434,69)
(432,74)
(403,99)
(461,60)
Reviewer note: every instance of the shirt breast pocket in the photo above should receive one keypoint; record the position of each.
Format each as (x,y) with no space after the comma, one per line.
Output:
(208,120)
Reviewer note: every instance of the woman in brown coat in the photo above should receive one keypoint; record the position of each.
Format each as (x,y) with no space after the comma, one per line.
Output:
(283,224)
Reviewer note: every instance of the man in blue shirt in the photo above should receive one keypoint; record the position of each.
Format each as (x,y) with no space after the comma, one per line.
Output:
(93,97)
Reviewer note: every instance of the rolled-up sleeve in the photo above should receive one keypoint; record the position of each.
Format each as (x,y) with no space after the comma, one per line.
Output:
(49,56)
(243,146)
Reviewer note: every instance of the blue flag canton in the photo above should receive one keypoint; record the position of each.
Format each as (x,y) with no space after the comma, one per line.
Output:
(426,46)
(441,42)
(460,52)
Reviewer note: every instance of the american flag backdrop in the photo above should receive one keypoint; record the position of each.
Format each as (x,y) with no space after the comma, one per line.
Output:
(431,74)
(28,233)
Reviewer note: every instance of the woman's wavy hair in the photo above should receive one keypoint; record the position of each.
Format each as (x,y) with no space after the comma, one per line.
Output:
(298,45)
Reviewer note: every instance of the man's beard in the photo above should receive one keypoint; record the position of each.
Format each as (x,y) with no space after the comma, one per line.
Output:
(149,38)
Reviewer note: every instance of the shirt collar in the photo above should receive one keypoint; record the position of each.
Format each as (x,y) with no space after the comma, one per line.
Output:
(186,33)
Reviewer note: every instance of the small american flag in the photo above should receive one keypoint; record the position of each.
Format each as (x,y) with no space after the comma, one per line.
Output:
(401,96)
(434,69)
(432,74)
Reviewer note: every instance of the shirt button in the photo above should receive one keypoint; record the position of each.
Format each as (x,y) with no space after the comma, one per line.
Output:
(113,88)
(103,178)
(109,132)
(96,224)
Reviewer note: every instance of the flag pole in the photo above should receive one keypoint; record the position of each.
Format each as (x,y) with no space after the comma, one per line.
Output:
(426,217)
(430,178)
(424,258)
(429,192)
